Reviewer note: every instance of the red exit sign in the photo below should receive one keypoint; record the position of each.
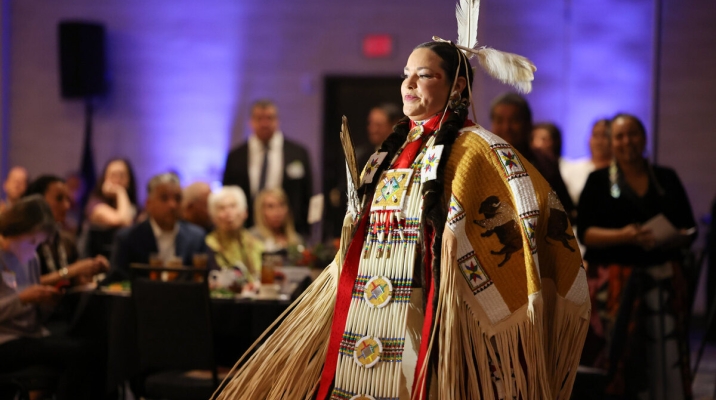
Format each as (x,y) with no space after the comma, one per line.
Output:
(378,46)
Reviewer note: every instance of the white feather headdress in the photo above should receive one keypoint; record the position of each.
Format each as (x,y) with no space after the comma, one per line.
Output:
(508,68)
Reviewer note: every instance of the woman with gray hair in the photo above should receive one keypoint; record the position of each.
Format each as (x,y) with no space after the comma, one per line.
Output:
(232,246)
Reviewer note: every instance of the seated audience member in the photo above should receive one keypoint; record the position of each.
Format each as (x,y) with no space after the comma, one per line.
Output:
(111,206)
(511,119)
(231,245)
(274,223)
(59,252)
(575,173)
(194,206)
(161,233)
(26,297)
(14,186)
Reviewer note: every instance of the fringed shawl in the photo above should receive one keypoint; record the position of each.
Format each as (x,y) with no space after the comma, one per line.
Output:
(512,305)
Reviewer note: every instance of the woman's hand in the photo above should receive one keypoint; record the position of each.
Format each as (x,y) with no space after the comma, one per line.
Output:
(112,190)
(38,294)
(101,263)
(638,235)
(89,267)
(122,214)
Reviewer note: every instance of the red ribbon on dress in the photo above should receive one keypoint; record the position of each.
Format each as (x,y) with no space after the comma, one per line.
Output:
(343,303)
(410,151)
(419,381)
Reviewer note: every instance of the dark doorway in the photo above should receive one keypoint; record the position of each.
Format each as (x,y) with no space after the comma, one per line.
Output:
(353,97)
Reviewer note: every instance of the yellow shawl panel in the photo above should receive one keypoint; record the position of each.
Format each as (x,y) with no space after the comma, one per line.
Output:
(513,294)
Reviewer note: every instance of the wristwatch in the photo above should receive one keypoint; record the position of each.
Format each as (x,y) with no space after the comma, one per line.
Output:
(63,272)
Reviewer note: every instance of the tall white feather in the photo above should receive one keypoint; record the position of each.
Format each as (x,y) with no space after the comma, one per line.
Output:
(467,13)
(508,68)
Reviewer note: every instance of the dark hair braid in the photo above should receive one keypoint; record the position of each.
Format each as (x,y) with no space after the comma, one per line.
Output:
(434,216)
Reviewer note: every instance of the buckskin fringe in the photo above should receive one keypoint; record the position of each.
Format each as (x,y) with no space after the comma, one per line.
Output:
(565,348)
(477,360)
(288,365)
(469,365)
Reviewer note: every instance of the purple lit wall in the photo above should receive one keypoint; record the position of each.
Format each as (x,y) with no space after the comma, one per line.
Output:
(173,87)
(183,73)
(593,59)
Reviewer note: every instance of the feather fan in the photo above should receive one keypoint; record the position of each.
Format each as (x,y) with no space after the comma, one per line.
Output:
(508,68)
(467,13)
(351,168)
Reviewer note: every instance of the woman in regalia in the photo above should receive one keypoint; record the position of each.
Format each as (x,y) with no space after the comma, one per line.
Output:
(458,275)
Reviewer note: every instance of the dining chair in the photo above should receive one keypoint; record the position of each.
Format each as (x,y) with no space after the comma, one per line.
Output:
(174,336)
(18,384)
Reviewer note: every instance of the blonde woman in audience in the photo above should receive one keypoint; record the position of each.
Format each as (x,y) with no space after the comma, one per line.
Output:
(232,246)
(273,221)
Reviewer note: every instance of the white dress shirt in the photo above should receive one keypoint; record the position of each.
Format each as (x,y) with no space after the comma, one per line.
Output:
(274,172)
(575,174)
(166,245)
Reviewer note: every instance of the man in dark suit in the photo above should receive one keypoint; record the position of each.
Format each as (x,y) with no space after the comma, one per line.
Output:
(267,160)
(161,233)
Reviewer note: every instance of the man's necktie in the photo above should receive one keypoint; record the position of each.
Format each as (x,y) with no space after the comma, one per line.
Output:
(264,169)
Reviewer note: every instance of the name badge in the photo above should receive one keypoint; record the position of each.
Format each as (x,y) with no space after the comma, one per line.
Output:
(9,278)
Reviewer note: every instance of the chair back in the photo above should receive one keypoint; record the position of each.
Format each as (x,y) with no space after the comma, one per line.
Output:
(99,241)
(174,327)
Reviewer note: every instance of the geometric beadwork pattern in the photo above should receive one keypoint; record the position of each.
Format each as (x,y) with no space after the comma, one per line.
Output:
(473,272)
(455,212)
(391,190)
(529,225)
(509,160)
(430,163)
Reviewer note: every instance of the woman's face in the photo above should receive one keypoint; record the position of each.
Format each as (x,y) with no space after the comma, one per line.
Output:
(275,212)
(542,141)
(425,88)
(628,142)
(58,197)
(117,173)
(599,141)
(228,217)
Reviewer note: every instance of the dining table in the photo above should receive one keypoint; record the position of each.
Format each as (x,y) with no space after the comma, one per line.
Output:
(108,317)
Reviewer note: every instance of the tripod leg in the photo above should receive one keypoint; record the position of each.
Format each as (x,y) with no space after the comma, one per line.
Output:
(662,336)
